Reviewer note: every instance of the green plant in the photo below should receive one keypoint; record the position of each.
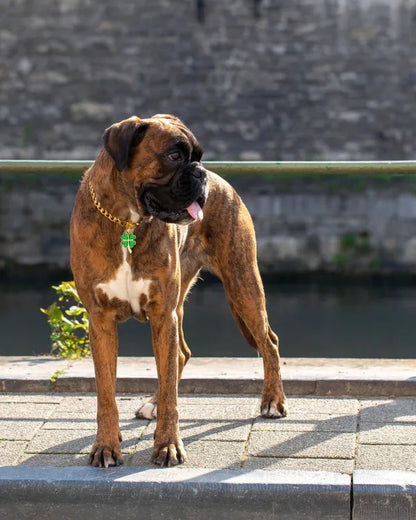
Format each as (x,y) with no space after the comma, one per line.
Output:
(69,323)
(55,377)
(356,252)
(340,260)
(356,242)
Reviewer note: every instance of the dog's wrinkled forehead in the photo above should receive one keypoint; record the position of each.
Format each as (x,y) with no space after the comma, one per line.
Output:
(172,128)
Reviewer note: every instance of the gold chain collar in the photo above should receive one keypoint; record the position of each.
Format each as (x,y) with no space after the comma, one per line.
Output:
(128,239)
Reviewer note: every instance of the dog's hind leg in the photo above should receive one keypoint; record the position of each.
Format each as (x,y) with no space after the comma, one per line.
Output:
(234,261)
(189,275)
(248,307)
(184,351)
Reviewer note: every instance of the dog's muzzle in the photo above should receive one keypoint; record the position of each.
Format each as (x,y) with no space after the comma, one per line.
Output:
(181,200)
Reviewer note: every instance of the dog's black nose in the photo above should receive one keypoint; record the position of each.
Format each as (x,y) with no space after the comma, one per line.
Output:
(198,171)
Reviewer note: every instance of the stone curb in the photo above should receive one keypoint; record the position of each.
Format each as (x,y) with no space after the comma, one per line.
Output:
(382,495)
(175,493)
(301,376)
(129,493)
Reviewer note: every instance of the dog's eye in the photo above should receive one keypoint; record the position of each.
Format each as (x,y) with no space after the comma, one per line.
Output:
(175,156)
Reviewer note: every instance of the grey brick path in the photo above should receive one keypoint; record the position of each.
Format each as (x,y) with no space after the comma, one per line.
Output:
(221,432)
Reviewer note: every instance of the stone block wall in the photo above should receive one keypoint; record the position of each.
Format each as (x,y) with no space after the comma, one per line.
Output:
(304,225)
(336,225)
(268,79)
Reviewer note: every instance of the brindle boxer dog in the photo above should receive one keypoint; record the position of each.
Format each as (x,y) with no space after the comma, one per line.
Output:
(147,217)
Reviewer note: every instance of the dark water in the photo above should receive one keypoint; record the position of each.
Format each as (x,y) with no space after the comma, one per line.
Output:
(312,319)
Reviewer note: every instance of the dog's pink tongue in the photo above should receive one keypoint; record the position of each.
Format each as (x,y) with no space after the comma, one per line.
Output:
(195,211)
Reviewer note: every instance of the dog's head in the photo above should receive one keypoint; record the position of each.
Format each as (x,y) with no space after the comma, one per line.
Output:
(162,161)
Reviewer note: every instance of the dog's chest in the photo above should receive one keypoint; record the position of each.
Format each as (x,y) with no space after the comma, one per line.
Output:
(124,288)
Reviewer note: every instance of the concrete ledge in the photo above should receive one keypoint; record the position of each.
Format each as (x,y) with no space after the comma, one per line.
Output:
(301,376)
(174,493)
(385,495)
(186,493)
(30,373)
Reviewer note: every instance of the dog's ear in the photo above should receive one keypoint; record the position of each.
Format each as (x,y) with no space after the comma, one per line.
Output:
(122,138)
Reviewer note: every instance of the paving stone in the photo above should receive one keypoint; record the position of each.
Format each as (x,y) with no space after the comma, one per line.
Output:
(85,407)
(26,410)
(209,430)
(76,423)
(18,430)
(129,405)
(75,441)
(388,410)
(308,422)
(61,415)
(219,454)
(219,400)
(379,433)
(53,459)
(10,452)
(216,431)
(323,405)
(220,407)
(388,457)
(230,412)
(29,398)
(133,427)
(88,404)
(142,454)
(305,444)
(62,441)
(299,464)
(87,423)
(74,404)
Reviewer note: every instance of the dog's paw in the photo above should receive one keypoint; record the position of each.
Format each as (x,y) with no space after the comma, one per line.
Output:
(103,455)
(147,411)
(272,408)
(169,454)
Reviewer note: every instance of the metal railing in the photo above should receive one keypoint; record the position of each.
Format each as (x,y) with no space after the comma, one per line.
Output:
(73,168)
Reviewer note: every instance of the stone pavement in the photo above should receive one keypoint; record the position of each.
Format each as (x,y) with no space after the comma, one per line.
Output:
(347,449)
(221,432)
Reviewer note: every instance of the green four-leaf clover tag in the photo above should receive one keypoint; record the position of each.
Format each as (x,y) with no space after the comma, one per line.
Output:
(128,241)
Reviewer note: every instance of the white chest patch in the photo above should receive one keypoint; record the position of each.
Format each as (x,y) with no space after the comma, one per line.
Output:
(123,287)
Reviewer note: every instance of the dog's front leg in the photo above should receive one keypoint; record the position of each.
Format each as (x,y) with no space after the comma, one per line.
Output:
(168,447)
(106,450)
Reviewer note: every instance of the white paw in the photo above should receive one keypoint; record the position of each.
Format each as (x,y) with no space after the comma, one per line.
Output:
(147,411)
